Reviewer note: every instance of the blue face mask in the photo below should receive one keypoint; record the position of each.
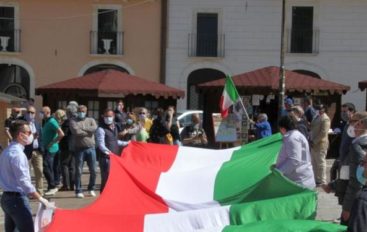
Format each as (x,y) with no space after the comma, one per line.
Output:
(108,120)
(129,121)
(81,115)
(360,175)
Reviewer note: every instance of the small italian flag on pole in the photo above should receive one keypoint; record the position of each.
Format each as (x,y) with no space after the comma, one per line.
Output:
(229,97)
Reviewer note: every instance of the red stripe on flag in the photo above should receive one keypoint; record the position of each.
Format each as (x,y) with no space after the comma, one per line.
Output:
(223,112)
(129,193)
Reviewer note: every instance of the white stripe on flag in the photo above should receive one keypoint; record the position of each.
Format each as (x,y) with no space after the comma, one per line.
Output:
(205,220)
(189,183)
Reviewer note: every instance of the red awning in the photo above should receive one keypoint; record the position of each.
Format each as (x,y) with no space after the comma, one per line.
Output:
(362,85)
(112,83)
(267,79)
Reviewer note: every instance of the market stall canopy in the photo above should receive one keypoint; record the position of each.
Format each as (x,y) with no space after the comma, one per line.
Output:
(112,83)
(362,85)
(267,79)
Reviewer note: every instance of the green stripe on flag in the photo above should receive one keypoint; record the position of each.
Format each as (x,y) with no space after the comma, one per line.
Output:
(249,165)
(255,192)
(231,89)
(287,226)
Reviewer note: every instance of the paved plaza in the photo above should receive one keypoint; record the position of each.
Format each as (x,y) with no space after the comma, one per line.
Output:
(327,210)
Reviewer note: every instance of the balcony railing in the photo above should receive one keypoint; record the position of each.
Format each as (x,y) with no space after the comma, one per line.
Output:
(303,41)
(9,40)
(107,43)
(206,45)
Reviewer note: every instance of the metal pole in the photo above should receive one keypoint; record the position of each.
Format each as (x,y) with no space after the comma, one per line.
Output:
(282,70)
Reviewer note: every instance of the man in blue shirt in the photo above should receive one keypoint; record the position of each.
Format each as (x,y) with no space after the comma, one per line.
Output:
(108,143)
(15,180)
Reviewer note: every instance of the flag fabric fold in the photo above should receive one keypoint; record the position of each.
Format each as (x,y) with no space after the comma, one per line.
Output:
(229,97)
(168,188)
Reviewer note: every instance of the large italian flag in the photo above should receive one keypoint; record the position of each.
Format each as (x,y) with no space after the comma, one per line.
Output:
(156,188)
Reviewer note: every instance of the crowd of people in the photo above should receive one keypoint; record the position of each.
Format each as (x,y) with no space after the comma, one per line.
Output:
(302,157)
(57,144)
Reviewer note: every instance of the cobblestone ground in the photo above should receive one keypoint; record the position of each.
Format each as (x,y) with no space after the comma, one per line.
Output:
(327,210)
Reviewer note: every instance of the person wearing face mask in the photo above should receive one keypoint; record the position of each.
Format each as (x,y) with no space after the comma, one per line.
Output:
(15,181)
(145,123)
(336,184)
(342,165)
(356,155)
(108,143)
(144,119)
(294,159)
(358,213)
(15,115)
(83,129)
(34,151)
(51,136)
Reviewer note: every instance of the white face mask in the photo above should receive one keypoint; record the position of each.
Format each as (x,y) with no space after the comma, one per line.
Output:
(108,120)
(351,131)
(27,139)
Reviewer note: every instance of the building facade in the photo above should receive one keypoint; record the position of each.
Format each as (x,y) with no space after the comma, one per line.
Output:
(208,39)
(43,42)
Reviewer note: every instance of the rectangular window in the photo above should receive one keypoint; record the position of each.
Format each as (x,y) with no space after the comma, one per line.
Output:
(302,32)
(107,35)
(7,29)
(62,104)
(93,109)
(207,34)
(151,105)
(111,105)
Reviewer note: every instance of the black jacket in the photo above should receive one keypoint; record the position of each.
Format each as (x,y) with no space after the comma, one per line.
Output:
(358,215)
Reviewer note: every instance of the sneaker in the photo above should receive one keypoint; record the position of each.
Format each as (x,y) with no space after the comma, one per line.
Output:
(79,195)
(51,192)
(92,193)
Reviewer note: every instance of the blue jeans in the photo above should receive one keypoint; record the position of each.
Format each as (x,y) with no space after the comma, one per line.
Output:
(89,155)
(17,212)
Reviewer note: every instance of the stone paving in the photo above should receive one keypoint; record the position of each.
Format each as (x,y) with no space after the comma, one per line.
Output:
(327,210)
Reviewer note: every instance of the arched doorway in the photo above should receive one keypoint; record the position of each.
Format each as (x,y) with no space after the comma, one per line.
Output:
(194,100)
(308,73)
(102,67)
(14,81)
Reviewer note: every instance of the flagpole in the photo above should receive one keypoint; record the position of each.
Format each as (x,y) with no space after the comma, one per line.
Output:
(243,106)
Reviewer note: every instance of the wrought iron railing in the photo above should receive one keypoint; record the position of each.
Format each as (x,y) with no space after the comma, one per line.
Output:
(107,42)
(303,41)
(206,45)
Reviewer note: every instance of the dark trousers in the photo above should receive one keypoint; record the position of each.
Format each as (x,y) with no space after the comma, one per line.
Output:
(57,169)
(17,212)
(48,169)
(67,169)
(104,165)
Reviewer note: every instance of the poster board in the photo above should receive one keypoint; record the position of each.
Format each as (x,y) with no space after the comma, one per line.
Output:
(225,130)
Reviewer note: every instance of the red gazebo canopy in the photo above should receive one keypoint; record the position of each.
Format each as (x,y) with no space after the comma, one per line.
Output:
(267,79)
(112,83)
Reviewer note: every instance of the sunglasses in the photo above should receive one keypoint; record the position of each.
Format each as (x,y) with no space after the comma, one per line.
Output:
(142,113)
(31,112)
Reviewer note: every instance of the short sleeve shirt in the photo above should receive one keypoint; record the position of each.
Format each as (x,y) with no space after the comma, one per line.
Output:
(49,133)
